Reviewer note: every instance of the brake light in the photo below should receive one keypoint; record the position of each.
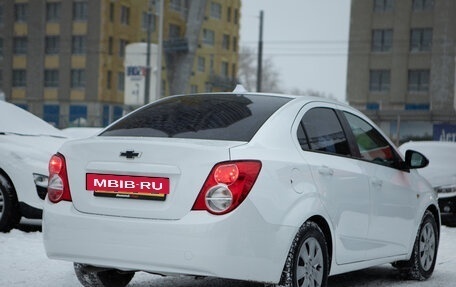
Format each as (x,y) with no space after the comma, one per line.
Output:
(58,187)
(227,185)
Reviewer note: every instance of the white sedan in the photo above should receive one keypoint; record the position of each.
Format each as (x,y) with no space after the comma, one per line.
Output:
(26,145)
(269,188)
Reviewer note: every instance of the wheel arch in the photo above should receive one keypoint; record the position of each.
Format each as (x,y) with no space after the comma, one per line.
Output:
(324,226)
(10,182)
(435,212)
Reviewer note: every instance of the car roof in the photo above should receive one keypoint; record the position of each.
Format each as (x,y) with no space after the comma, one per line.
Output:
(16,120)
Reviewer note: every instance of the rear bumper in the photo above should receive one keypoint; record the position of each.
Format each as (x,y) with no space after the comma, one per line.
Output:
(239,245)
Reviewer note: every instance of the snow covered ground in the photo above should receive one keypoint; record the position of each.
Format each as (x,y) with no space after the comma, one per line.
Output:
(23,263)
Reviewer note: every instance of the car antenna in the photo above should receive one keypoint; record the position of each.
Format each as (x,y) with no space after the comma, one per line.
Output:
(239,89)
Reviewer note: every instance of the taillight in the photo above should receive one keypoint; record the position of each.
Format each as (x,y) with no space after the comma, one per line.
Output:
(58,188)
(227,185)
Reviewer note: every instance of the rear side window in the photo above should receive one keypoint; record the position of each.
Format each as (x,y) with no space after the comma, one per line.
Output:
(214,117)
(372,145)
(324,132)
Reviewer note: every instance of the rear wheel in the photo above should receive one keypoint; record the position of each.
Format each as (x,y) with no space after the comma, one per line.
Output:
(307,263)
(9,206)
(91,277)
(422,262)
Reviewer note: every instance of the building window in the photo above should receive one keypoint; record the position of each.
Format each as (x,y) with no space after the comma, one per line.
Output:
(216,10)
(78,115)
(110,45)
(51,78)
(418,80)
(417,107)
(236,16)
(111,12)
(20,12)
(208,37)
(1,15)
(121,81)
(20,45)
(1,48)
(145,23)
(145,20)
(234,44)
(228,14)
(382,40)
(77,78)
(122,46)
(201,64)
(51,45)
(423,5)
(379,80)
(421,39)
(224,69)
(176,5)
(193,89)
(226,42)
(125,15)
(372,106)
(109,80)
(383,5)
(78,45)
(53,11)
(80,10)
(19,78)
(174,31)
(51,114)
(233,71)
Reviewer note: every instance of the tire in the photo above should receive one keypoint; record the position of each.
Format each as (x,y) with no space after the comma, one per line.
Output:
(308,260)
(91,277)
(9,207)
(424,255)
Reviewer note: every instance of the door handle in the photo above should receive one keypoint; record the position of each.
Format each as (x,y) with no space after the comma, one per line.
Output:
(377,182)
(326,171)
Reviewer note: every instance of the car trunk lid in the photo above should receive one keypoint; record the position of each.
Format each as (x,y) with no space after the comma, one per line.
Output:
(183,164)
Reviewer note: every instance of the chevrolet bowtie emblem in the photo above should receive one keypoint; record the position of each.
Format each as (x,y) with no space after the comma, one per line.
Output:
(130,154)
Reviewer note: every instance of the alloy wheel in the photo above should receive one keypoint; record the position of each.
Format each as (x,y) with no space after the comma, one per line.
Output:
(427,246)
(310,264)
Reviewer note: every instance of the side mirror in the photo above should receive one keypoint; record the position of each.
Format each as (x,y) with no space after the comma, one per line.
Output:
(414,159)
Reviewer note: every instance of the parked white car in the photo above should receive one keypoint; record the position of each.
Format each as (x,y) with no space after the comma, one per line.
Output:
(441,173)
(26,145)
(259,187)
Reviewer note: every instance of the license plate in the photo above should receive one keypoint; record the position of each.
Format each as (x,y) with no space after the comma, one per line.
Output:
(124,186)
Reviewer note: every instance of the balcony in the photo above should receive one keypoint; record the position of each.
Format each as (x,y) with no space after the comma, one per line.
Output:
(176,45)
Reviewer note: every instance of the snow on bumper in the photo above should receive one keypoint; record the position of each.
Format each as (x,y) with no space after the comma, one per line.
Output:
(240,245)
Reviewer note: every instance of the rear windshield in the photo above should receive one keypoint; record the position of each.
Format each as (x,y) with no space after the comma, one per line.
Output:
(215,117)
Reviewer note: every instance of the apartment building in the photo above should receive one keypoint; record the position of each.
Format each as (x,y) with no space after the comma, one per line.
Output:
(63,60)
(401,66)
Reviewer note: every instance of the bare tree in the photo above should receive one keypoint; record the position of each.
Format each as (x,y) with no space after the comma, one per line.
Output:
(247,72)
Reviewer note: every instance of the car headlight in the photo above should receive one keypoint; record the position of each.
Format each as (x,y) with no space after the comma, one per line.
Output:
(445,188)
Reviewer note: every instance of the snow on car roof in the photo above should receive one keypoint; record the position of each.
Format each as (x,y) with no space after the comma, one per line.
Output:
(18,121)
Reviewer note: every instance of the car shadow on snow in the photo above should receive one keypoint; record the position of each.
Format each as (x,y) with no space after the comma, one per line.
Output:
(29,227)
(383,275)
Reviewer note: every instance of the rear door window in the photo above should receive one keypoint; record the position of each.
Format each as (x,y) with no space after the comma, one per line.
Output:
(204,116)
(323,132)
(372,145)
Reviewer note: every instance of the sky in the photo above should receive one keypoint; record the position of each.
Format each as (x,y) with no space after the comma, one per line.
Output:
(307,40)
